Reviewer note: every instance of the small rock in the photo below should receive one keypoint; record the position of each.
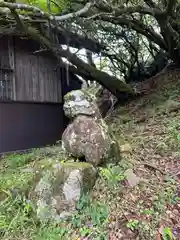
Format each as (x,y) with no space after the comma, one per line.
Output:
(172,105)
(132,179)
(126,148)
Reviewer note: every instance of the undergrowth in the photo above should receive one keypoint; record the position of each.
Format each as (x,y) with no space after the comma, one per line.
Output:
(18,221)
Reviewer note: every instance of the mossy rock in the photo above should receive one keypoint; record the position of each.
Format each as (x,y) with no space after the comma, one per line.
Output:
(58,187)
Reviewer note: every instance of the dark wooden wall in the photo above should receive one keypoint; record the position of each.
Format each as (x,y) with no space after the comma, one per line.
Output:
(32,86)
(29,125)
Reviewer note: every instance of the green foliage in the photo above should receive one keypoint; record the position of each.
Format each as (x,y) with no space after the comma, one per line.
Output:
(18,160)
(15,179)
(18,217)
(174,131)
(91,218)
(96,212)
(15,215)
(132,224)
(167,234)
(55,6)
(112,175)
(51,232)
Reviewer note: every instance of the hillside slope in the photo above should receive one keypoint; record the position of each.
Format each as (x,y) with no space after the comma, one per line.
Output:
(151,125)
(135,198)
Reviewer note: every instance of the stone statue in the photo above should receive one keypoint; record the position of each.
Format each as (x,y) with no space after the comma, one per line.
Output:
(87,135)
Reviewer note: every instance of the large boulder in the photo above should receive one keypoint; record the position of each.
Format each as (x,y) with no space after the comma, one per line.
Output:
(87,137)
(59,187)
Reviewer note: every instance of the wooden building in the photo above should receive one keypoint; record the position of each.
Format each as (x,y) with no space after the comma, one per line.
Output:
(32,86)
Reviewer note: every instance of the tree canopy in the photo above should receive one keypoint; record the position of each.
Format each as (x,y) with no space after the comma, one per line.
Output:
(120,40)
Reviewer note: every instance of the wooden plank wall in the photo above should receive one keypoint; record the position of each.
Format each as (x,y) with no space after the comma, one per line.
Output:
(36,76)
(31,77)
(4,54)
(6,70)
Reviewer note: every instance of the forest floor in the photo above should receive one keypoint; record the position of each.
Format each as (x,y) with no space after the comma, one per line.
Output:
(136,198)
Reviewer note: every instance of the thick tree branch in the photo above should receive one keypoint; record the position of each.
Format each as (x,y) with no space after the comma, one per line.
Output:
(138,27)
(20,24)
(90,58)
(128,10)
(19,6)
(170,7)
(112,83)
(150,3)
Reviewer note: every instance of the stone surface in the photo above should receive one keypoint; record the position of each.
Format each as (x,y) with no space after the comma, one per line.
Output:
(89,138)
(126,148)
(80,102)
(59,187)
(131,177)
(172,105)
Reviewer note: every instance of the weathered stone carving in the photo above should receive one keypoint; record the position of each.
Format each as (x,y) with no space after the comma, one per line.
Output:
(80,102)
(87,136)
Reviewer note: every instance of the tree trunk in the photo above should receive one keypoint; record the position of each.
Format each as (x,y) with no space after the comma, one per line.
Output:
(113,84)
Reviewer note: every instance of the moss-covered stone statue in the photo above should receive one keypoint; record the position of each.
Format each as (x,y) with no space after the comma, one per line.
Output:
(87,135)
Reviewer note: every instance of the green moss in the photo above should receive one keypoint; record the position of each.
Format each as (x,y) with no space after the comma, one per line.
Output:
(88,172)
(76,165)
(44,163)
(87,94)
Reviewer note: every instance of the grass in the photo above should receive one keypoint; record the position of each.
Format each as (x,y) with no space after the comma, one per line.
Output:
(18,221)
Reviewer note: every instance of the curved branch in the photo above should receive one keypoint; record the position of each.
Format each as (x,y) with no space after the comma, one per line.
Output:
(113,84)
(150,3)
(20,6)
(138,27)
(129,10)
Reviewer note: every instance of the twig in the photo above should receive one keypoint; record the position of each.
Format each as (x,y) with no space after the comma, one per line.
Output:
(176,174)
(110,110)
(150,166)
